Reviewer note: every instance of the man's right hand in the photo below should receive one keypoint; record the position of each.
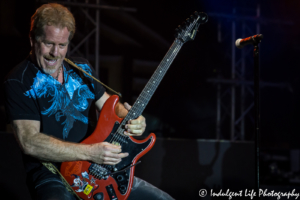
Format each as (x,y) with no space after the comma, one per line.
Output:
(106,153)
(47,148)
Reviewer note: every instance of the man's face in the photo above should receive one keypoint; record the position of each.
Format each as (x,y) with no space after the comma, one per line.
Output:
(51,48)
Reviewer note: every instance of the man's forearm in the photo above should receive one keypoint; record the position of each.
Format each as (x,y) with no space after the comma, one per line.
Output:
(48,148)
(45,147)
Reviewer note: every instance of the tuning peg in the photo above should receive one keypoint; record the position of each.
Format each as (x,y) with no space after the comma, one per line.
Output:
(192,17)
(177,31)
(203,17)
(196,13)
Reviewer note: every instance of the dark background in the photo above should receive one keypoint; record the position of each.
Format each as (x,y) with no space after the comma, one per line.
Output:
(187,101)
(184,105)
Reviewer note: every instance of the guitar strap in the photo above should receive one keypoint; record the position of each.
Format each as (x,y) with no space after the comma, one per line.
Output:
(54,170)
(49,165)
(80,69)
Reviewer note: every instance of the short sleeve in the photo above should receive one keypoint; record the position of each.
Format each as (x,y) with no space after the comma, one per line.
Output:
(99,89)
(20,103)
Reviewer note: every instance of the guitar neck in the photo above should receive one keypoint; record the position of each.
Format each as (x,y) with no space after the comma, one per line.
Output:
(145,96)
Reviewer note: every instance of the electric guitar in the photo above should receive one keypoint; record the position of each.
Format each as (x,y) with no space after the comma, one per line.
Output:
(113,182)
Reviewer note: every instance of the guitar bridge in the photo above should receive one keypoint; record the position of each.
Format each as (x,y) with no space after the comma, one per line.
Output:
(98,171)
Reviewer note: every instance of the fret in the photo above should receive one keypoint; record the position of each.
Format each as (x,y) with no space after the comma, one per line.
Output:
(148,91)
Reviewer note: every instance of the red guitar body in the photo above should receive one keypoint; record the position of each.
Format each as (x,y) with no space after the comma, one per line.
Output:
(107,182)
(87,178)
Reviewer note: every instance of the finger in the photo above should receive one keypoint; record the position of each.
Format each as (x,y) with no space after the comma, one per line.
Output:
(112,162)
(135,127)
(123,155)
(139,120)
(127,106)
(111,146)
(108,145)
(110,159)
(134,132)
(115,150)
(115,155)
(107,150)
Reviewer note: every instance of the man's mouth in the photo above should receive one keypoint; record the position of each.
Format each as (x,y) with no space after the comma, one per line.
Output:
(50,61)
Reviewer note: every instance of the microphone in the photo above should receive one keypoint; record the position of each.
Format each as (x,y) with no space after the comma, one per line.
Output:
(240,43)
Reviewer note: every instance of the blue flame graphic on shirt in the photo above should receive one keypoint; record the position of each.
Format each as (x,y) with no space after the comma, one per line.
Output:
(68,100)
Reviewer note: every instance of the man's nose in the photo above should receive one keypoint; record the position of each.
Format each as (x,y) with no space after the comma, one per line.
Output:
(54,51)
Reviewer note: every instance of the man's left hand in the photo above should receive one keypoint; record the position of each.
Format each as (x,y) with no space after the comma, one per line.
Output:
(135,127)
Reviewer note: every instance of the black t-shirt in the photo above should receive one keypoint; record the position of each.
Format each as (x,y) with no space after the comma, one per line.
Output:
(62,109)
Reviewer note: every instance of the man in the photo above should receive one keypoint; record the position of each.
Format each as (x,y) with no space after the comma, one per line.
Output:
(48,102)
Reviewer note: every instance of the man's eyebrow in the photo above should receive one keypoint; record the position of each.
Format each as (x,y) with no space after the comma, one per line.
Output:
(47,41)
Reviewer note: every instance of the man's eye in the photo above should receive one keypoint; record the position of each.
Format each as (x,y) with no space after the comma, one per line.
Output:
(48,44)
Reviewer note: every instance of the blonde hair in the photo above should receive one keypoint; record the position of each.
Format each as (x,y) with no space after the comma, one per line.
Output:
(51,14)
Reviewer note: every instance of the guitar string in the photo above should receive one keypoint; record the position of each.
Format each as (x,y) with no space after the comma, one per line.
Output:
(116,137)
(119,137)
(130,112)
(150,86)
(164,60)
(157,77)
(192,25)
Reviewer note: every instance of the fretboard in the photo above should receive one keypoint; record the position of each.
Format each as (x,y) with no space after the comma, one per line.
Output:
(145,96)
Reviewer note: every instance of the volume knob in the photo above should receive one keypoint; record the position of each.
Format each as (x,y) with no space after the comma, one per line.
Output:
(99,196)
(120,178)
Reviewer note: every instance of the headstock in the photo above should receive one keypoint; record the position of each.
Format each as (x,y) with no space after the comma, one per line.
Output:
(187,31)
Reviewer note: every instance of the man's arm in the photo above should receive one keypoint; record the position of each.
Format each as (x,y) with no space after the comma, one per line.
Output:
(48,148)
(135,127)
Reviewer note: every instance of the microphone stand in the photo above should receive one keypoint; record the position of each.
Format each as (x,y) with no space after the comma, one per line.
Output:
(257,112)
(255,40)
